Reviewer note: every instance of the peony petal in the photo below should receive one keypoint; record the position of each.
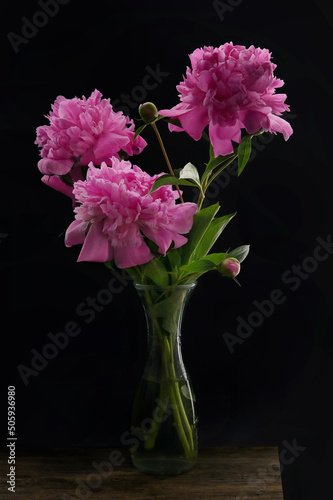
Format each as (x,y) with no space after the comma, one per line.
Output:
(57,184)
(55,167)
(178,240)
(278,124)
(183,217)
(193,120)
(175,128)
(221,138)
(129,256)
(75,233)
(96,246)
(109,144)
(162,237)
(176,111)
(254,120)
(135,146)
(139,144)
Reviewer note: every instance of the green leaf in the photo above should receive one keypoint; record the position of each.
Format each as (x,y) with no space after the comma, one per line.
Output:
(216,258)
(201,222)
(66,178)
(142,127)
(174,259)
(167,309)
(160,117)
(216,162)
(186,176)
(189,172)
(239,253)
(205,136)
(109,265)
(244,152)
(212,234)
(134,273)
(236,281)
(139,130)
(198,267)
(156,271)
(173,121)
(169,179)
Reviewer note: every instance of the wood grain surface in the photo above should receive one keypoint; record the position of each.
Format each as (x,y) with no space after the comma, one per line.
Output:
(238,473)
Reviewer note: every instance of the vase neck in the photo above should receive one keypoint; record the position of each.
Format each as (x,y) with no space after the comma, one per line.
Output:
(164,308)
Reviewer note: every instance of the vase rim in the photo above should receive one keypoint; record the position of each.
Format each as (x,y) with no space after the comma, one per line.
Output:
(187,286)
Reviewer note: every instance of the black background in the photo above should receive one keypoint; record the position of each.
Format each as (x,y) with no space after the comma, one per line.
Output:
(277,384)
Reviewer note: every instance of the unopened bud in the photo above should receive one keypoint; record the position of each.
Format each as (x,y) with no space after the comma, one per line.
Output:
(148,112)
(229,267)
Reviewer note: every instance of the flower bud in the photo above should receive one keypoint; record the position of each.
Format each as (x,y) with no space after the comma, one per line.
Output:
(148,112)
(229,267)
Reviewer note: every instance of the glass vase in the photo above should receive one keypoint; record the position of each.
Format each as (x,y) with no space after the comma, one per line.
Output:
(164,415)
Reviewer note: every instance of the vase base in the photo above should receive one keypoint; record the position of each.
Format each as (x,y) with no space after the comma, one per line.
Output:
(163,465)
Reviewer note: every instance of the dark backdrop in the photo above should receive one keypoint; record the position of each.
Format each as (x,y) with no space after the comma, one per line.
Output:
(274,386)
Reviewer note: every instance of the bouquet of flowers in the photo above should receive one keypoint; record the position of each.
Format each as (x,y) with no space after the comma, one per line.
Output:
(131,220)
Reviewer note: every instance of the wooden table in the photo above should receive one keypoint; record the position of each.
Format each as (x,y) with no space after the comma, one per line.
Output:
(239,473)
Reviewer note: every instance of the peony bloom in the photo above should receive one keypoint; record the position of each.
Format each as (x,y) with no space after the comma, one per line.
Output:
(83,131)
(229,88)
(115,213)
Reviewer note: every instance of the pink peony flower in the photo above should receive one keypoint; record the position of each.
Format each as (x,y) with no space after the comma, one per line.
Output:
(84,131)
(229,88)
(115,213)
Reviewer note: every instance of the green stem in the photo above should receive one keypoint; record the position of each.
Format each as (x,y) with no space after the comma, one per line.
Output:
(151,438)
(177,406)
(176,400)
(179,413)
(159,138)
(178,396)
(201,199)
(178,422)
